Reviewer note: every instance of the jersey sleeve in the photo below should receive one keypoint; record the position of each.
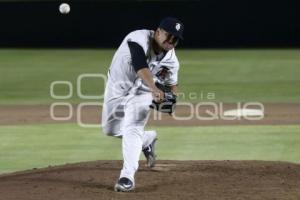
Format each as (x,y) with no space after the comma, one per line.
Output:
(138,56)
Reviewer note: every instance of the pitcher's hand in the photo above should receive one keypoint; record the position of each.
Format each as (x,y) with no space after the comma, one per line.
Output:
(158,95)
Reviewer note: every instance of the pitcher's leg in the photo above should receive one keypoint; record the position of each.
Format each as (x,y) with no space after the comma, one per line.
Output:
(136,116)
(149,141)
(131,146)
(148,138)
(112,117)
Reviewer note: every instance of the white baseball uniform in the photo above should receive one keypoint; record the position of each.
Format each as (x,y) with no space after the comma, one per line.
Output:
(127,99)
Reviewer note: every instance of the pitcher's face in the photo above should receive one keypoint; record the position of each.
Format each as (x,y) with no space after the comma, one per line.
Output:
(165,40)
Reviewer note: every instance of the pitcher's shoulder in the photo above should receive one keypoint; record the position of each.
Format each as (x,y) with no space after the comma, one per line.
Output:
(143,33)
(141,37)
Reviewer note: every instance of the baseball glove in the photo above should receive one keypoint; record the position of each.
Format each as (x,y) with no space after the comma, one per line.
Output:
(169,102)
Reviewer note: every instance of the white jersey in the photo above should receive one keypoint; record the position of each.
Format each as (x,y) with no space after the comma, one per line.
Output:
(126,101)
(122,76)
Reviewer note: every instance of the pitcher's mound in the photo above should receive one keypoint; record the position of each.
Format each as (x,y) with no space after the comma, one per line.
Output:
(168,180)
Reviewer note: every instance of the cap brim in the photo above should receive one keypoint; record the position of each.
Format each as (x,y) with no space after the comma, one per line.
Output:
(178,36)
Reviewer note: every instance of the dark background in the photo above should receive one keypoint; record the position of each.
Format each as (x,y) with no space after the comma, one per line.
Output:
(208,23)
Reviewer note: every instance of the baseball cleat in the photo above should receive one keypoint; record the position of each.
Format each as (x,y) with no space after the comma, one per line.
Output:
(124,185)
(149,153)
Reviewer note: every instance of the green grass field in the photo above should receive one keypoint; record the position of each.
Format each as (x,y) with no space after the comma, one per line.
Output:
(25,147)
(233,75)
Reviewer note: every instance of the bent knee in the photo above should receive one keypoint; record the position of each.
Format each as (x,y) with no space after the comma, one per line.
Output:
(108,131)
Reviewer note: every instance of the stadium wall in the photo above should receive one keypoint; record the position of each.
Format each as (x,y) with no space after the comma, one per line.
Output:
(210,23)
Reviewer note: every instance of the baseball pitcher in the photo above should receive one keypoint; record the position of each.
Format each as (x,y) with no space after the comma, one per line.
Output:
(142,76)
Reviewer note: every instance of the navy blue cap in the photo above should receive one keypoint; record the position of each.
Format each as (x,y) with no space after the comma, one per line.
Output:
(173,26)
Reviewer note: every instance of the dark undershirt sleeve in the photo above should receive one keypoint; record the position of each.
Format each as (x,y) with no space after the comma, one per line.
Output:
(138,56)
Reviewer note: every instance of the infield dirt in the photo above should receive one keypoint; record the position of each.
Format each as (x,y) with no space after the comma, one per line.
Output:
(205,180)
(275,114)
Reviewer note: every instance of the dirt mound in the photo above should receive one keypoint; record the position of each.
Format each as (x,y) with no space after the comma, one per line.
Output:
(168,180)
